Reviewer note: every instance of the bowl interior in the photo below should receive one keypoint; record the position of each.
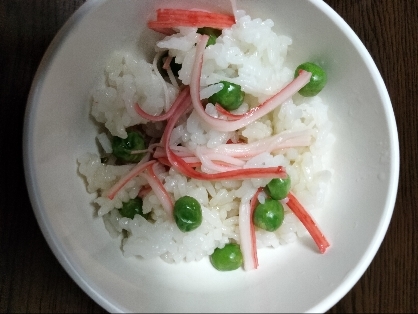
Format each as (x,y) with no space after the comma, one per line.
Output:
(292,278)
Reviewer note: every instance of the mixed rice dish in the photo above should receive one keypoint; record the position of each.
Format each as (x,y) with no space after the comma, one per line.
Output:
(212,149)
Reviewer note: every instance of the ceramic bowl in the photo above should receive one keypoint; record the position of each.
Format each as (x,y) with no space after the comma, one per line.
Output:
(293,278)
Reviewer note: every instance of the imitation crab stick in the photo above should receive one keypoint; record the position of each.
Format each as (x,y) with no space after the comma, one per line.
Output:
(300,212)
(180,98)
(172,18)
(183,167)
(253,204)
(248,241)
(224,125)
(140,167)
(158,188)
(269,144)
(144,191)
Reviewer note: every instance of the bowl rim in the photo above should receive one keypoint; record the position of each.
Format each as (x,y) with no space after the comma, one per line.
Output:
(76,274)
(389,207)
(94,291)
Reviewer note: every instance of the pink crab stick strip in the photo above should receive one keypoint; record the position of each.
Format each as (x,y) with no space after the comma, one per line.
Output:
(140,167)
(180,165)
(159,189)
(266,107)
(247,232)
(173,18)
(180,98)
(269,144)
(300,212)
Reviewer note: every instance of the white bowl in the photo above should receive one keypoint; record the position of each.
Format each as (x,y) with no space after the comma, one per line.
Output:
(293,278)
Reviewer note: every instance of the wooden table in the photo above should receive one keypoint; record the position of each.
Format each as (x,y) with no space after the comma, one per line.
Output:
(31,279)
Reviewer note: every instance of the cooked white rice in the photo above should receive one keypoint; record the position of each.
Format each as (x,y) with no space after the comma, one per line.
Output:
(249,54)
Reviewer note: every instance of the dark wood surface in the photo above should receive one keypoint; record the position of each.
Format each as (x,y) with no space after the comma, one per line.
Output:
(32,280)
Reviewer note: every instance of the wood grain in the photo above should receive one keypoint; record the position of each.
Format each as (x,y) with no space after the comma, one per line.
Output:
(32,280)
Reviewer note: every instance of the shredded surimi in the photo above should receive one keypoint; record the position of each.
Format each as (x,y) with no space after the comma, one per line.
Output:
(173,18)
(158,189)
(165,116)
(140,167)
(247,231)
(309,223)
(266,107)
